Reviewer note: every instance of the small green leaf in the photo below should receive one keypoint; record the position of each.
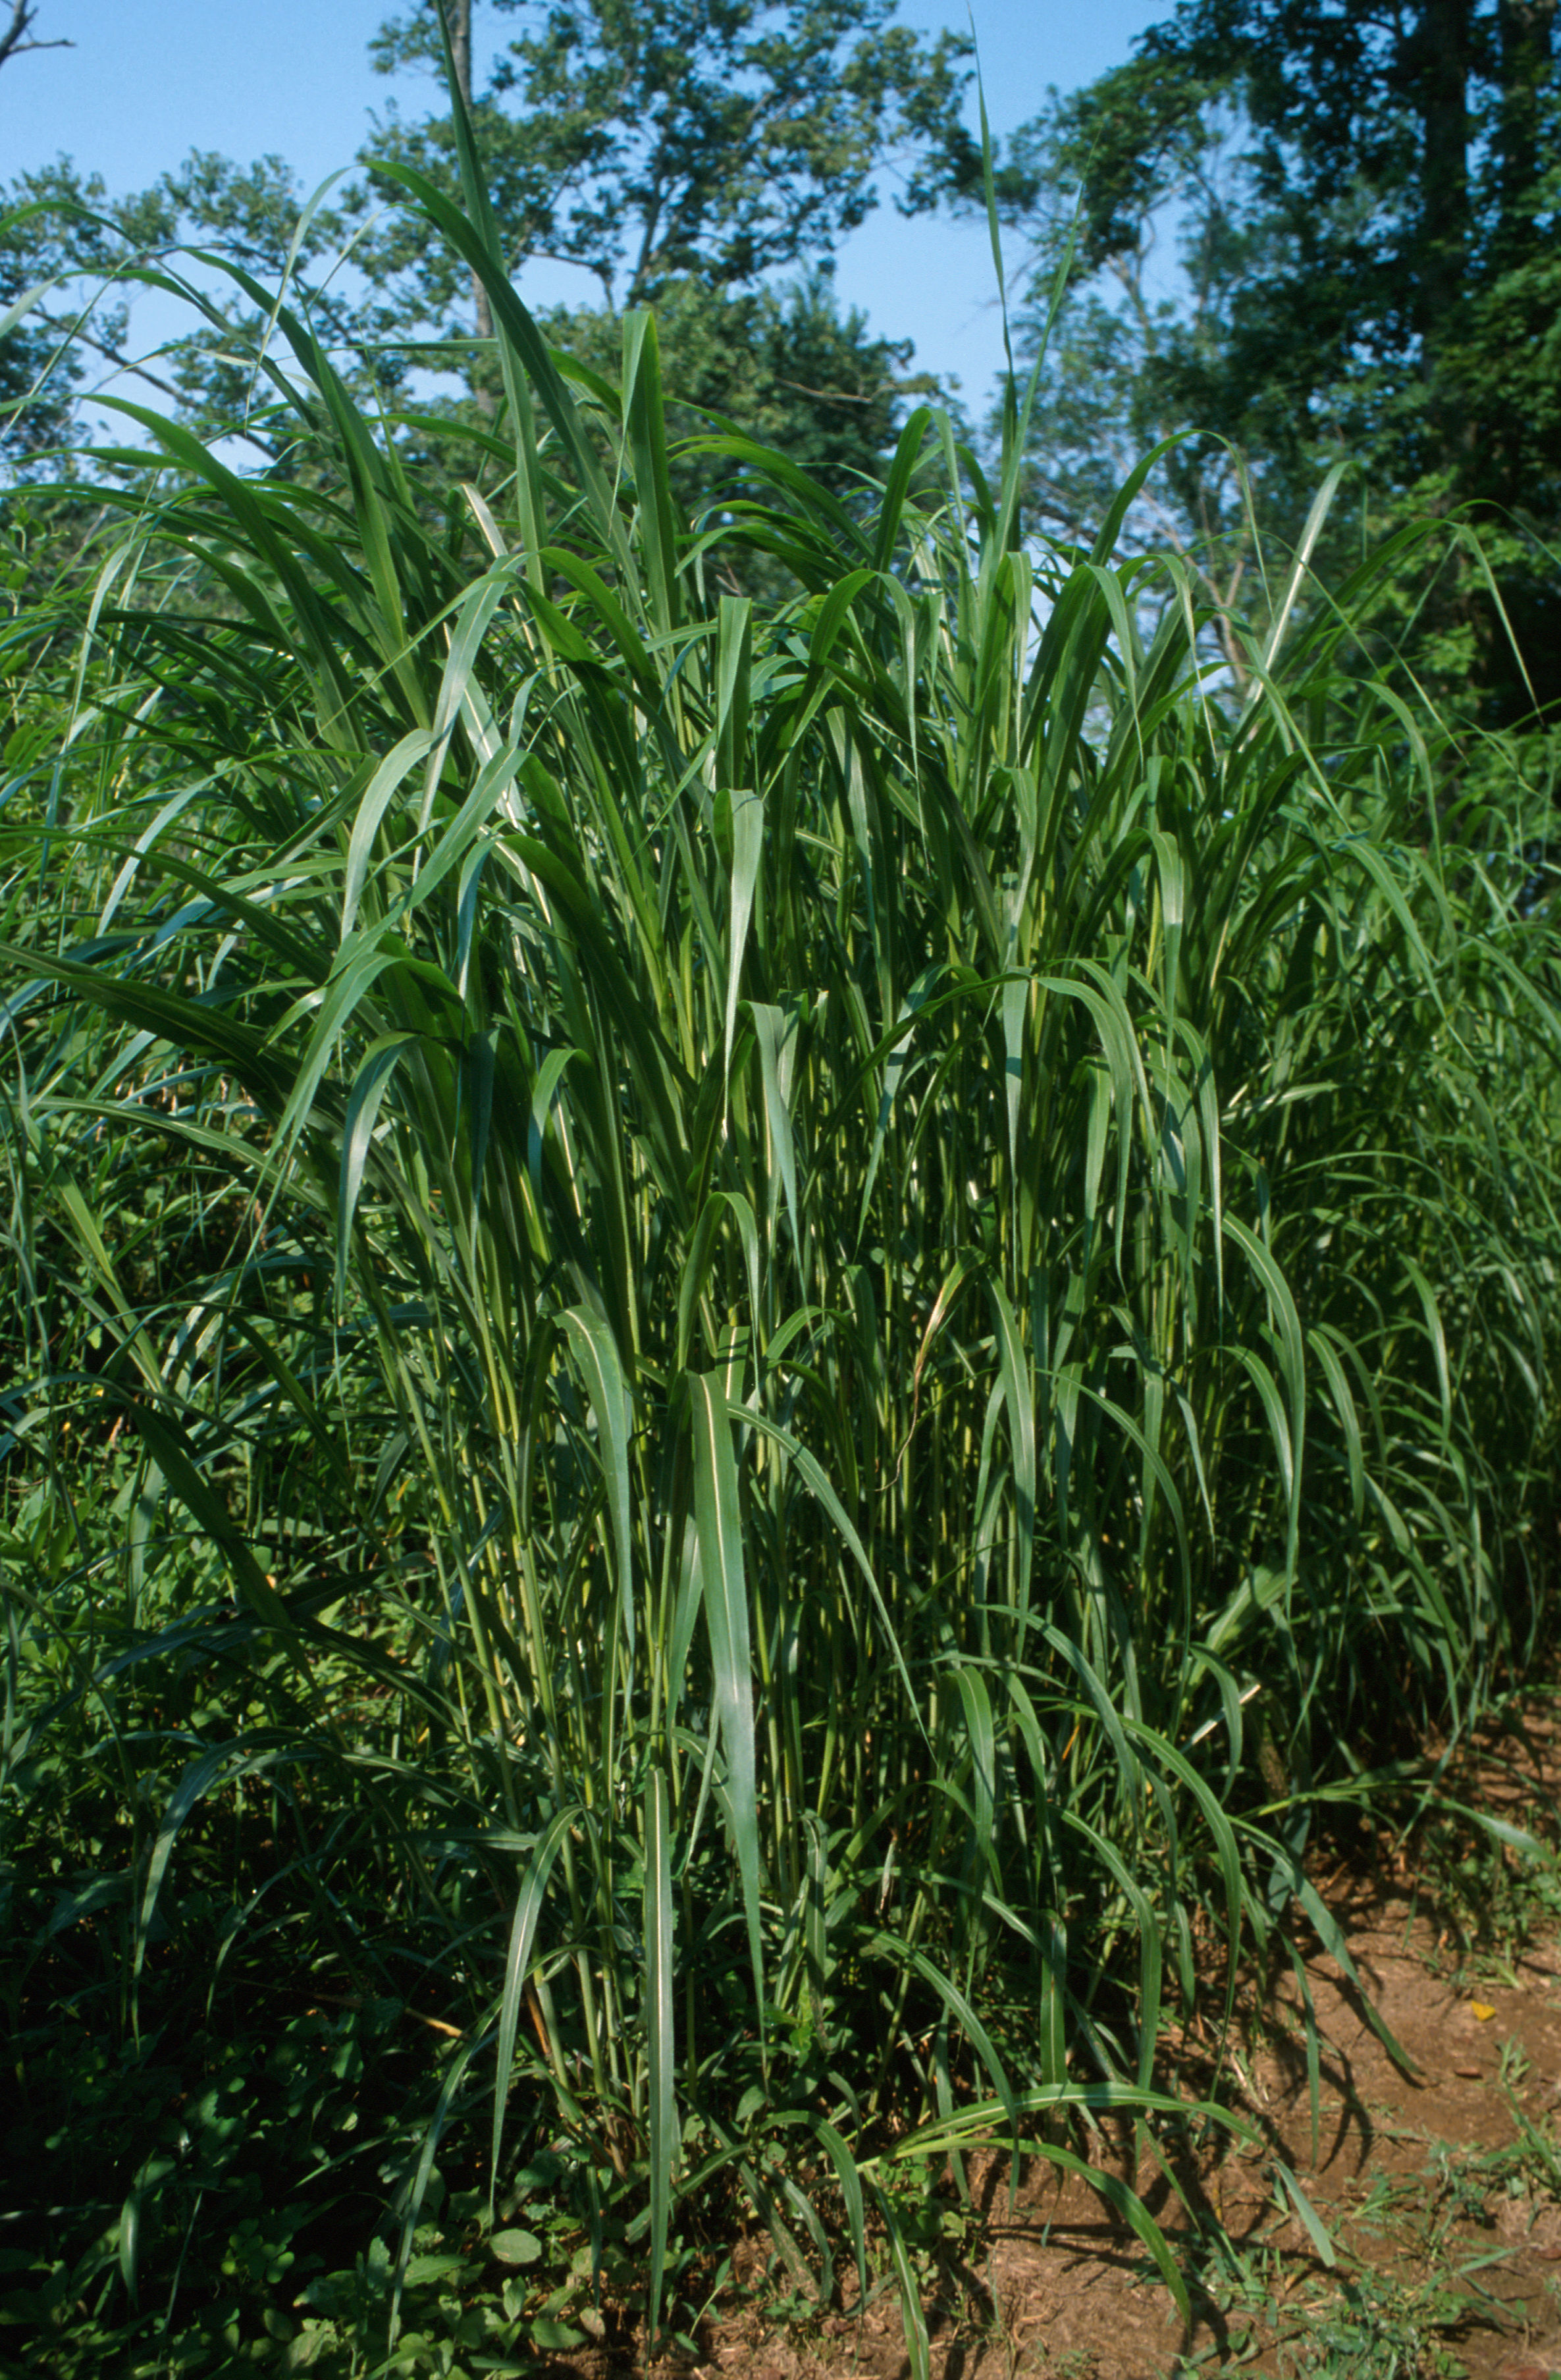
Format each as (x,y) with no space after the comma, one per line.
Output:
(515,2247)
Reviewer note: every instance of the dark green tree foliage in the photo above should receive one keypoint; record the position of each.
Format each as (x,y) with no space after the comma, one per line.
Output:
(788,368)
(787,364)
(36,377)
(1365,203)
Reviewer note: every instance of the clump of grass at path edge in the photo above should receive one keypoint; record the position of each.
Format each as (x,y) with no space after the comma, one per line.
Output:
(745,1343)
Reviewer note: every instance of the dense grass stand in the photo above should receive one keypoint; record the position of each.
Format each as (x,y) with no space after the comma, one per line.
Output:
(740,1331)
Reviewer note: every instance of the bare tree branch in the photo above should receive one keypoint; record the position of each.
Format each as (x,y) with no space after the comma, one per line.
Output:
(78,332)
(13,41)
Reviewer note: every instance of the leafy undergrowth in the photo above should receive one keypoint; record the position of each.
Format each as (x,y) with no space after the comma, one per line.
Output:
(202,2206)
(228,2195)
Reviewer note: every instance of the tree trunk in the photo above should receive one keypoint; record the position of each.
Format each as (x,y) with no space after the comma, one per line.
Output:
(1443,43)
(1525,32)
(458,16)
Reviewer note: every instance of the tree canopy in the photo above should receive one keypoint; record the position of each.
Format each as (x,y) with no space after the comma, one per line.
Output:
(1363,202)
(688,149)
(714,139)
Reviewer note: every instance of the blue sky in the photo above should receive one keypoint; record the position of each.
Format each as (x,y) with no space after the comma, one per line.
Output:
(148,80)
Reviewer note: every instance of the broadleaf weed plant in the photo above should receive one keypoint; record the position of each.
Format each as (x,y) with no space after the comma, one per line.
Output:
(745,1339)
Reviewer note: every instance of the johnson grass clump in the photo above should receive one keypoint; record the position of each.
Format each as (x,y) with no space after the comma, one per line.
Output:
(747,1342)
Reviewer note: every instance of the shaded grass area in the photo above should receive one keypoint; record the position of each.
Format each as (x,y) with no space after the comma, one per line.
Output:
(749,1345)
